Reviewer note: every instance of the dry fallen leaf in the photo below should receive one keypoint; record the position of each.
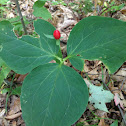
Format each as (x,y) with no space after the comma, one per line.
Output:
(117,100)
(2,113)
(10,117)
(14,123)
(102,123)
(15,107)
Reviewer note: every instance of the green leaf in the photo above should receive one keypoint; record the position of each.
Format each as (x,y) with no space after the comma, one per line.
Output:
(5,90)
(99,96)
(26,53)
(49,36)
(53,95)
(115,123)
(16,91)
(77,62)
(3,2)
(1,62)
(4,71)
(43,28)
(2,8)
(40,10)
(99,38)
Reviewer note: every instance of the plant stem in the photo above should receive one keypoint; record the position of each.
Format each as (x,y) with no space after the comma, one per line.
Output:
(66,58)
(6,102)
(9,93)
(60,59)
(12,82)
(21,17)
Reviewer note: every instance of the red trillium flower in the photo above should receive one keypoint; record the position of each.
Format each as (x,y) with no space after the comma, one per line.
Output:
(56,34)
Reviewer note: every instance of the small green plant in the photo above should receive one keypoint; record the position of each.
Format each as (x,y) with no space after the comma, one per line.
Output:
(52,93)
(82,6)
(57,2)
(111,7)
(40,10)
(18,28)
(3,8)
(10,89)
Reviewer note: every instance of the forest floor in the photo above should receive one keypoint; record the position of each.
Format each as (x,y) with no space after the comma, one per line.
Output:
(64,18)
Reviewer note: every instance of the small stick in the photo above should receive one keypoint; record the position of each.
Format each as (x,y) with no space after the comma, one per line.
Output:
(21,17)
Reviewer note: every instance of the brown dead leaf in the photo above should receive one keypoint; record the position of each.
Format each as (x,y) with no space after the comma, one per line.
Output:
(117,76)
(118,101)
(101,113)
(10,117)
(2,113)
(2,100)
(123,10)
(15,107)
(95,5)
(91,107)
(20,78)
(102,123)
(52,61)
(93,68)
(122,86)
(14,123)
(112,88)
(83,121)
(123,100)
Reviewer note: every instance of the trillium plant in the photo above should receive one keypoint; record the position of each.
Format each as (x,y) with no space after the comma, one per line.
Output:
(52,93)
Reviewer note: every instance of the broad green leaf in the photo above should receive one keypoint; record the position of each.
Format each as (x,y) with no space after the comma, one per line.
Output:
(115,123)
(1,62)
(99,38)
(99,97)
(49,36)
(40,10)
(43,28)
(53,95)
(26,53)
(77,62)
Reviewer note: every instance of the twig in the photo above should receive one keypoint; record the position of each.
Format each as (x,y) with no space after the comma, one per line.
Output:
(122,114)
(121,87)
(21,17)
